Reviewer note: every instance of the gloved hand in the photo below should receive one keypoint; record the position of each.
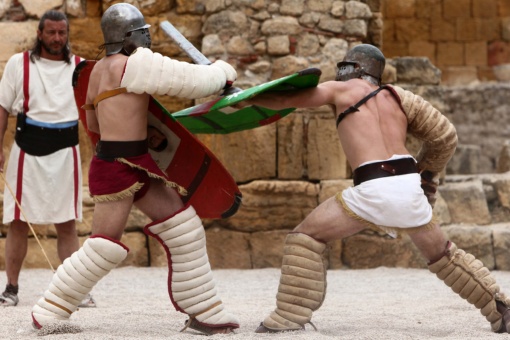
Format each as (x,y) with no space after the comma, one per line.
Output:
(429,184)
(230,72)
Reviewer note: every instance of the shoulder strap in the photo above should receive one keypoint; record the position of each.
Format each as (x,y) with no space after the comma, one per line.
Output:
(26,64)
(108,94)
(356,106)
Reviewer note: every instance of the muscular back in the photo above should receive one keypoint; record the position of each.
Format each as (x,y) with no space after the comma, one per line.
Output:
(375,132)
(119,118)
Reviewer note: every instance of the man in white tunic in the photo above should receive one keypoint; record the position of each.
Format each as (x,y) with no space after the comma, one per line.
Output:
(44,167)
(393,192)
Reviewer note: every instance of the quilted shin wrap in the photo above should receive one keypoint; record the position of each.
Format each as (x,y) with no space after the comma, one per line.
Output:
(430,126)
(75,278)
(468,277)
(302,287)
(191,285)
(153,73)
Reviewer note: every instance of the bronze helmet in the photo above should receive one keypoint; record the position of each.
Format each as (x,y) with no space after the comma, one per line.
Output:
(362,60)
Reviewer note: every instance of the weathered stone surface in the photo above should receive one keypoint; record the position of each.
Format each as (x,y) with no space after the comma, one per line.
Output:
(273,205)
(501,239)
(466,202)
(37,8)
(228,249)
(369,250)
(254,150)
(417,71)
(18,36)
(466,160)
(267,248)
(281,26)
(138,255)
(473,239)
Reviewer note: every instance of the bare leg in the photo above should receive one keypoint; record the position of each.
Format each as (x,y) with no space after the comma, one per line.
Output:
(160,201)
(16,245)
(67,239)
(329,222)
(431,243)
(110,218)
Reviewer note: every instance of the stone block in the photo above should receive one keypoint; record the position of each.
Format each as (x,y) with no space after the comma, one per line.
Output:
(417,71)
(473,239)
(157,254)
(431,9)
(423,49)
(18,37)
(456,9)
(370,250)
(138,255)
(485,8)
(228,248)
(466,160)
(504,158)
(501,239)
(329,188)
(450,54)
(325,158)
(459,75)
(466,29)
(498,53)
(267,248)
(466,202)
(291,147)
(254,150)
(393,49)
(442,30)
(399,9)
(273,205)
(412,29)
(476,53)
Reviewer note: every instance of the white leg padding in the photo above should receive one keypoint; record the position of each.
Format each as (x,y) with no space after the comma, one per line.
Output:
(192,288)
(75,278)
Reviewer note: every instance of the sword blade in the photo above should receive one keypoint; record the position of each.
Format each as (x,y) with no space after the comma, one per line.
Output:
(184,44)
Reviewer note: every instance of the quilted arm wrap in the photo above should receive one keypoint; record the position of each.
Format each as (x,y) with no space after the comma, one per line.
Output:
(430,126)
(153,73)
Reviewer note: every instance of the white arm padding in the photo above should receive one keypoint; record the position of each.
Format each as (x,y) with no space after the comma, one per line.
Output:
(153,73)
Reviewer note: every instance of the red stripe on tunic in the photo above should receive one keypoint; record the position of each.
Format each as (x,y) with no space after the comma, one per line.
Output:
(76,181)
(19,184)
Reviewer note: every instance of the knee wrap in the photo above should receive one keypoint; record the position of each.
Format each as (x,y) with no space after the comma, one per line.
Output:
(75,278)
(190,282)
(302,287)
(468,277)
(149,72)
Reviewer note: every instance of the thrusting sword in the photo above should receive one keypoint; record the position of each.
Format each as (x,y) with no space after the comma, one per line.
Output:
(184,44)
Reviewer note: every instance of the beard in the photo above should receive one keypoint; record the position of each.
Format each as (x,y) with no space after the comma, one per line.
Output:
(57,49)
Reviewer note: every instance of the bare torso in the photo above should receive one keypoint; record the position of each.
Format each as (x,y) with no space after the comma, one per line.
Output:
(119,118)
(375,132)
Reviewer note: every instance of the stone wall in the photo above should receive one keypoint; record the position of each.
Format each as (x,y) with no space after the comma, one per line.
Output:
(469,40)
(285,169)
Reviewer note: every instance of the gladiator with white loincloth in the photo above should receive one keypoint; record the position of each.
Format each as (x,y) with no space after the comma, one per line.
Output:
(393,191)
(122,174)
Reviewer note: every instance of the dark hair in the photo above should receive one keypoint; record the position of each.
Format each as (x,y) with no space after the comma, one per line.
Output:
(52,15)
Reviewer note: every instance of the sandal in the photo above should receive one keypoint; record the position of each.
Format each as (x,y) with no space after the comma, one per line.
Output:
(207,329)
(10,296)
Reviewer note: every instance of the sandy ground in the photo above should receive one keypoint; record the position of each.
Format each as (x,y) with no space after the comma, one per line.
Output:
(382,303)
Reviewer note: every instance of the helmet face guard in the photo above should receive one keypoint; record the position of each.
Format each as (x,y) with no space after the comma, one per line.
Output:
(347,70)
(139,37)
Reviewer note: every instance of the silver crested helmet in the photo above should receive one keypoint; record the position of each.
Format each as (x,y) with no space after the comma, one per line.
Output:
(124,29)
(363,61)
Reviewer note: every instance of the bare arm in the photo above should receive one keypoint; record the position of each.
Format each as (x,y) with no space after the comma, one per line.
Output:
(4,115)
(323,94)
(92,123)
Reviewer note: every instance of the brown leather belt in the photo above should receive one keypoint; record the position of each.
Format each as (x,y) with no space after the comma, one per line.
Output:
(394,167)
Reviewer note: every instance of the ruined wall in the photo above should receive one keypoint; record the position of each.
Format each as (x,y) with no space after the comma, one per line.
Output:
(285,169)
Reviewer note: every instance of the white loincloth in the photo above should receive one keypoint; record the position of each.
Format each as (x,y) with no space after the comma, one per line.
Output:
(51,187)
(390,202)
